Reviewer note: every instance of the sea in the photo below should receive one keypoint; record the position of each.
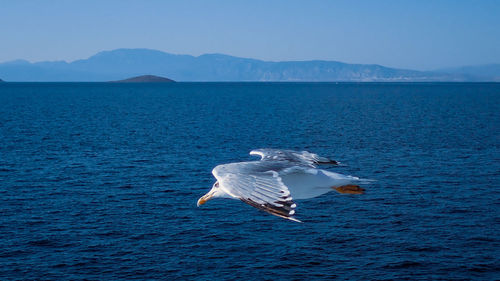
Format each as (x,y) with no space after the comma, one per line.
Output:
(99,181)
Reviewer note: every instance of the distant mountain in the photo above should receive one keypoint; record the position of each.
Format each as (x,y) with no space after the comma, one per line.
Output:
(145,79)
(486,72)
(116,64)
(1,81)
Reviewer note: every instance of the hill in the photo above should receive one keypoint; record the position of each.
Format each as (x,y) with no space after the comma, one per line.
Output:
(145,79)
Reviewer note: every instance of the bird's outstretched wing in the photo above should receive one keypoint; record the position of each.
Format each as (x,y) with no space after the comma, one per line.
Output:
(303,158)
(262,190)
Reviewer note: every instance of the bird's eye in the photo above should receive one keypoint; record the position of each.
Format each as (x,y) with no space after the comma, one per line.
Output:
(217,184)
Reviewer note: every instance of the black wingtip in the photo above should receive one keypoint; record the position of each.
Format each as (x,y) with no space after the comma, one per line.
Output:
(286,213)
(329,162)
(293,219)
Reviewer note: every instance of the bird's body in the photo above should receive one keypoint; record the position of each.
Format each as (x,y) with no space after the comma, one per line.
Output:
(280,177)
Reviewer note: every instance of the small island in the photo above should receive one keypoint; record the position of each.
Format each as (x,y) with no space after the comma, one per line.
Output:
(145,79)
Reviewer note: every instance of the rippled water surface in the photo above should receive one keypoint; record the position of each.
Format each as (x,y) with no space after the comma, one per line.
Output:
(100,181)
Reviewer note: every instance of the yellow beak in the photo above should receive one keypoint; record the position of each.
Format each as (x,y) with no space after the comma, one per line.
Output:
(204,198)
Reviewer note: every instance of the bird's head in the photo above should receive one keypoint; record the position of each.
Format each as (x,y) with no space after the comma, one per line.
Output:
(212,193)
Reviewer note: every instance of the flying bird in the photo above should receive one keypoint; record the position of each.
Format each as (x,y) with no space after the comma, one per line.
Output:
(280,177)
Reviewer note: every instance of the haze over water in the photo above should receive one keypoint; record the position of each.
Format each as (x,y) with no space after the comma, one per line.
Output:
(100,181)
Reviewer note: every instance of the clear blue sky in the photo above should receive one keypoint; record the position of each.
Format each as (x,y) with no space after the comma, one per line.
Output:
(407,34)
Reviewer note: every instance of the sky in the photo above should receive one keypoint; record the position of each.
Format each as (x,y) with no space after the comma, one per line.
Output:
(422,35)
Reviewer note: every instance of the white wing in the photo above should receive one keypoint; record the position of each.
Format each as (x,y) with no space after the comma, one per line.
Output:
(261,189)
(303,158)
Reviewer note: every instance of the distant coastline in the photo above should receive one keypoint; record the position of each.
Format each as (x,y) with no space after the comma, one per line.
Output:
(116,64)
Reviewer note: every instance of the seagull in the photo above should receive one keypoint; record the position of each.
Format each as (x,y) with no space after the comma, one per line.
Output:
(277,179)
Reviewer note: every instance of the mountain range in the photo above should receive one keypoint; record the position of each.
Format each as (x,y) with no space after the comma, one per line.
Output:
(124,63)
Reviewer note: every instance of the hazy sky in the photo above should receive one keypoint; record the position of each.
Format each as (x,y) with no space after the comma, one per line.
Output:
(407,34)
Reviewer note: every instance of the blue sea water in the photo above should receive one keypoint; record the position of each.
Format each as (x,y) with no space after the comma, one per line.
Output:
(100,181)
